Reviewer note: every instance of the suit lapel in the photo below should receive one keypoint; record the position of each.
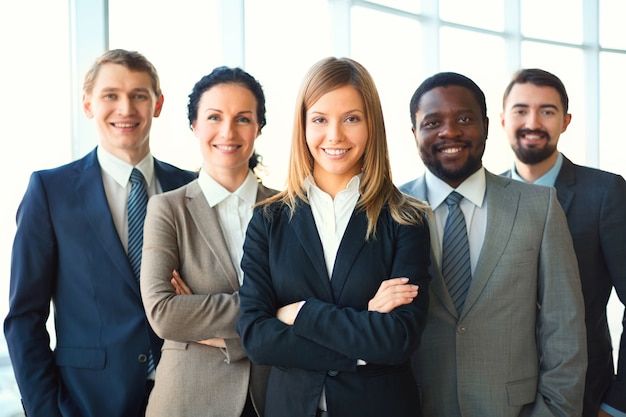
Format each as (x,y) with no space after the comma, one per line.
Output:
(304,227)
(91,191)
(351,243)
(564,184)
(207,222)
(502,205)
(437,286)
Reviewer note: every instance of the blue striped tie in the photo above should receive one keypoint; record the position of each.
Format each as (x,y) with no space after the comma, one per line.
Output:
(137,203)
(456,266)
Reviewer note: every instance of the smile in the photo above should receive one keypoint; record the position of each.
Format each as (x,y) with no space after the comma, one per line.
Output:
(335,151)
(125,125)
(227,148)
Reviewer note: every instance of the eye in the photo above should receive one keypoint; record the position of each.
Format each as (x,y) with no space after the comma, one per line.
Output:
(109,97)
(548,112)
(213,117)
(140,97)
(352,118)
(519,112)
(430,124)
(318,120)
(465,119)
(243,120)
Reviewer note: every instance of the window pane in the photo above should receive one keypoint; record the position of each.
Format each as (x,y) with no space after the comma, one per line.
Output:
(557,20)
(490,15)
(412,6)
(181,53)
(467,53)
(612,14)
(36,132)
(612,93)
(279,55)
(568,65)
(397,73)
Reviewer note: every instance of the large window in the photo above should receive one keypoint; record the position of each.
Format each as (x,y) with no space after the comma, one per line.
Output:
(400,42)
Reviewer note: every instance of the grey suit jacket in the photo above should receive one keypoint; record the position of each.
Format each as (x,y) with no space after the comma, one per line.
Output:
(518,348)
(182,232)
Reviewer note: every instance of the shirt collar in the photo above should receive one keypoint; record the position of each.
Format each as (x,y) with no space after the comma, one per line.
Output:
(353,186)
(472,189)
(215,193)
(120,170)
(548,179)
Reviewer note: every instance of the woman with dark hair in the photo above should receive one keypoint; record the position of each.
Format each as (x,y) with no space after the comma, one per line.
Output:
(333,264)
(198,230)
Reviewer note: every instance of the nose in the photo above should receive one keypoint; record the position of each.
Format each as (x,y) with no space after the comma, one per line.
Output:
(532,120)
(450,130)
(335,133)
(226,130)
(125,106)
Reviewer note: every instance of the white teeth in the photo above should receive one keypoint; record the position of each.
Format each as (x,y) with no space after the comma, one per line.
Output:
(226,148)
(335,152)
(451,150)
(124,125)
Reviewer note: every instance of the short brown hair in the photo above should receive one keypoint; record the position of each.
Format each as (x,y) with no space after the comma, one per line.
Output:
(132,60)
(540,78)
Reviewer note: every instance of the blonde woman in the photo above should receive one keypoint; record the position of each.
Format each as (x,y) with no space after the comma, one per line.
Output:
(333,264)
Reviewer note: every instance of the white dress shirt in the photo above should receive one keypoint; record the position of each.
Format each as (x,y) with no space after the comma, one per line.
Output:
(116,181)
(331,220)
(473,206)
(234,211)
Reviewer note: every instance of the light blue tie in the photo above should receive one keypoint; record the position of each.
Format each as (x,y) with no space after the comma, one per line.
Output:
(456,266)
(137,203)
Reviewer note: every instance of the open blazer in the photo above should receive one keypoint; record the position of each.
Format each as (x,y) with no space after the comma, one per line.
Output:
(283,262)
(182,232)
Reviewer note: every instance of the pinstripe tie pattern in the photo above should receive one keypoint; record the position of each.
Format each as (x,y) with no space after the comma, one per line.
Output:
(137,203)
(456,267)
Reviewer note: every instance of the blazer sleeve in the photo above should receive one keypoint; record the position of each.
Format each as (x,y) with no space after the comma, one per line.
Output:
(183,318)
(266,339)
(33,279)
(613,242)
(378,338)
(561,336)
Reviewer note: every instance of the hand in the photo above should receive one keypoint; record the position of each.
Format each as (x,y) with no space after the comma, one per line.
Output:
(179,285)
(214,342)
(393,293)
(287,314)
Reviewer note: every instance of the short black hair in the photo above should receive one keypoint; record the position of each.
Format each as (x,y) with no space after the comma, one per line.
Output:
(540,78)
(226,75)
(445,79)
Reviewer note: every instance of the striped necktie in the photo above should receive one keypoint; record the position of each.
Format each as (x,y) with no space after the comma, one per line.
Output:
(456,266)
(137,203)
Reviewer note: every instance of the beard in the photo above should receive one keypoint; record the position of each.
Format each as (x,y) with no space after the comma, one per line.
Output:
(532,156)
(448,175)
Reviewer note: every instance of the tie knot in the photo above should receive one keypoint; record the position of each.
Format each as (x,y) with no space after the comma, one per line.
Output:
(453,199)
(136,177)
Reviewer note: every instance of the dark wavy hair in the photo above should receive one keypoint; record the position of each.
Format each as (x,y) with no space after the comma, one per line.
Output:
(540,78)
(227,75)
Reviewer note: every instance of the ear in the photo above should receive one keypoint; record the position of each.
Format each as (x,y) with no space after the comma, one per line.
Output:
(486,128)
(87,105)
(159,105)
(502,119)
(566,121)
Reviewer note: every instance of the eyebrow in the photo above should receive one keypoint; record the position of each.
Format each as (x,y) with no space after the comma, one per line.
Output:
(346,112)
(541,106)
(212,109)
(134,90)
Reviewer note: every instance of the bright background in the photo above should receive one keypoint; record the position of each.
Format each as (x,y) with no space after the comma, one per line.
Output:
(49,44)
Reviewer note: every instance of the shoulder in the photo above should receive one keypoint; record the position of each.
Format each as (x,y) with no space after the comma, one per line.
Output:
(411,186)
(184,176)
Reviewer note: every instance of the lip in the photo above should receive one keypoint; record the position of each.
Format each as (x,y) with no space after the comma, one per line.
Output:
(226,148)
(124,125)
(335,153)
(451,150)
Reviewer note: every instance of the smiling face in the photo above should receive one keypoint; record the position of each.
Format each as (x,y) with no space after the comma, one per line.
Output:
(450,133)
(122,103)
(336,134)
(226,128)
(533,119)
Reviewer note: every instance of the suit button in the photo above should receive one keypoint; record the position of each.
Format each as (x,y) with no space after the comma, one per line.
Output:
(332,373)
(461,329)
(142,358)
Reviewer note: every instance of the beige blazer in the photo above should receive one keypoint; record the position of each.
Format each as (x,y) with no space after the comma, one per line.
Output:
(518,348)
(182,232)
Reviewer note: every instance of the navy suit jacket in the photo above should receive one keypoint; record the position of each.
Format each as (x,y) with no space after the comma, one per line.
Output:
(283,262)
(594,202)
(67,250)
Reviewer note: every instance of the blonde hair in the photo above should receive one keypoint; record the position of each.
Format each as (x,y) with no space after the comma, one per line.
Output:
(376,186)
(132,60)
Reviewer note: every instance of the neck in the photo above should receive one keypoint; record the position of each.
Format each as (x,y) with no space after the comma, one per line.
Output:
(227,178)
(331,184)
(532,172)
(131,156)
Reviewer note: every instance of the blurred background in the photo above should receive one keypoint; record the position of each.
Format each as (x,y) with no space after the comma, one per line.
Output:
(48,45)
